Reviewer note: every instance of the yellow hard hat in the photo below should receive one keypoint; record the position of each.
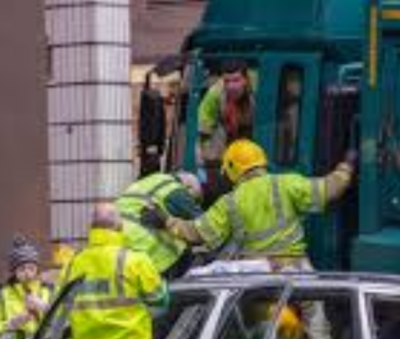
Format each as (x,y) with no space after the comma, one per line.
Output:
(290,325)
(242,156)
(289,322)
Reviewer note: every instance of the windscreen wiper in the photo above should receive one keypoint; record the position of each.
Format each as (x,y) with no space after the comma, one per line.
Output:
(50,320)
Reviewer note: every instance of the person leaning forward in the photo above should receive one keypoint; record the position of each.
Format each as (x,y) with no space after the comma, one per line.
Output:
(177,195)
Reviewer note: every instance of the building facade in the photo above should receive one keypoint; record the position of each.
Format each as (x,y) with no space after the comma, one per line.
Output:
(23,135)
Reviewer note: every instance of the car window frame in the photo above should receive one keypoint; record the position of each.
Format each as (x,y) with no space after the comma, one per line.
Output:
(351,293)
(377,292)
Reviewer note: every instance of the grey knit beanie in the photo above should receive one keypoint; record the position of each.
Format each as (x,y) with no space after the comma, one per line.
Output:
(22,252)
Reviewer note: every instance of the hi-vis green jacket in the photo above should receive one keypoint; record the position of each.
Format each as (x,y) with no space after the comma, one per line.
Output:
(167,193)
(263,215)
(213,103)
(119,283)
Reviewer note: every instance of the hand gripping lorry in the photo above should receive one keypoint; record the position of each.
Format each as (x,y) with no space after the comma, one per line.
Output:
(327,79)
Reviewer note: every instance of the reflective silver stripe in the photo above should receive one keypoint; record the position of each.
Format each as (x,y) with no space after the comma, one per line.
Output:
(238,235)
(161,185)
(119,274)
(104,304)
(140,196)
(148,196)
(99,286)
(238,227)
(131,217)
(282,223)
(316,196)
(281,246)
(277,202)
(262,235)
(207,229)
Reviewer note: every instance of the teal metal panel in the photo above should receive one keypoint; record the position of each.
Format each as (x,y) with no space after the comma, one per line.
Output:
(389,175)
(344,19)
(196,79)
(266,99)
(378,252)
(369,195)
(326,22)
(379,240)
(269,16)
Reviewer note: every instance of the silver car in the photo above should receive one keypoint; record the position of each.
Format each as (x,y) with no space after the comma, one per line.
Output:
(357,306)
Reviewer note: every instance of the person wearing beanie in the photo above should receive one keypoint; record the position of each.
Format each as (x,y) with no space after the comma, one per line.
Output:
(119,284)
(24,298)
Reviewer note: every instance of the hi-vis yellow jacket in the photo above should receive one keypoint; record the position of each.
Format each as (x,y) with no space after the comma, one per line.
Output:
(119,283)
(166,192)
(12,303)
(263,215)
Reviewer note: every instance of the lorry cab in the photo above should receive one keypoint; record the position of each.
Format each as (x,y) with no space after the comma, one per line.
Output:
(325,82)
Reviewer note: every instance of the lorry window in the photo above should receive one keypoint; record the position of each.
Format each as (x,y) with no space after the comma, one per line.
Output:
(288,114)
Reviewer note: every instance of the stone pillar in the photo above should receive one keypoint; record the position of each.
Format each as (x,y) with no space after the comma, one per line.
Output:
(89,109)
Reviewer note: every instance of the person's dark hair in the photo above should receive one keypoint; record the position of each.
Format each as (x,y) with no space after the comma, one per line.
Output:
(234,65)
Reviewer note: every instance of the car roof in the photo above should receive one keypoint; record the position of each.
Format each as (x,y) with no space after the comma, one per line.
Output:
(370,282)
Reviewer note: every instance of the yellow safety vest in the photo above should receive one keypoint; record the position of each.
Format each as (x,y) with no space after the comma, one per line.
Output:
(111,303)
(162,248)
(263,215)
(12,303)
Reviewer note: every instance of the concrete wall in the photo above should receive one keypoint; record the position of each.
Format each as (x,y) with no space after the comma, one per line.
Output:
(23,179)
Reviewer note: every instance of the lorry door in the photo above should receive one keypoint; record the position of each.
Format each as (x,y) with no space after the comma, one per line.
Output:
(337,131)
(389,138)
(289,121)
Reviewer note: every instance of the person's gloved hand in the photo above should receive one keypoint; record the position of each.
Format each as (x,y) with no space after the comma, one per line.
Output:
(19,321)
(35,304)
(154,217)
